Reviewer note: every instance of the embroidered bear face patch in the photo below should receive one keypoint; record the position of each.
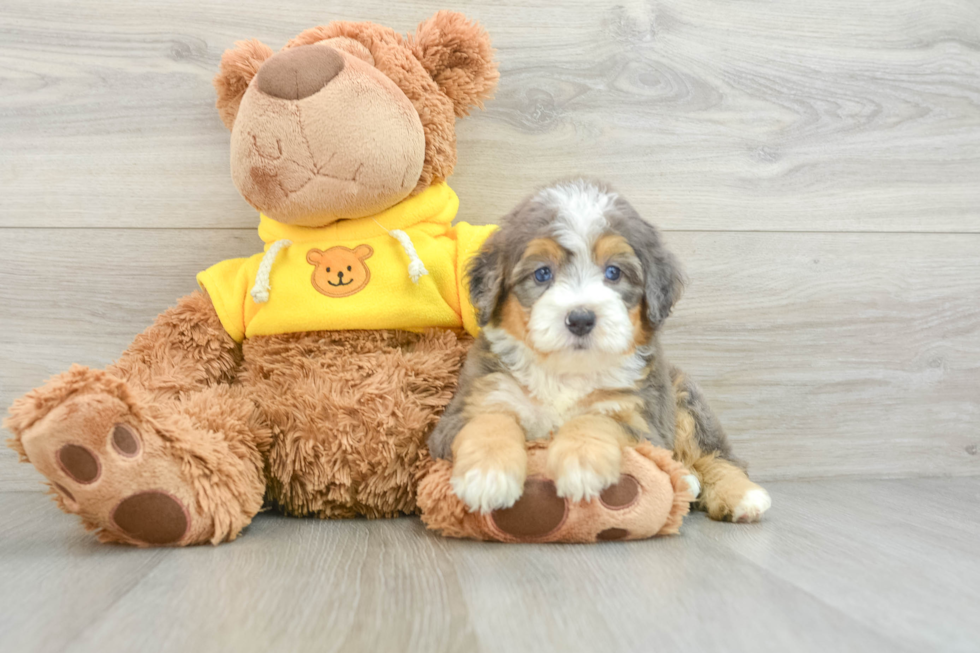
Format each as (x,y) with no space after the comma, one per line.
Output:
(340,271)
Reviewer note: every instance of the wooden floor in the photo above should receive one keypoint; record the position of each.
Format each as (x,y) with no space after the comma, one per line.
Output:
(815,165)
(882,565)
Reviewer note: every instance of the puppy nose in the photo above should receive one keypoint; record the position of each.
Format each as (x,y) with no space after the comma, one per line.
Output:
(299,72)
(580,322)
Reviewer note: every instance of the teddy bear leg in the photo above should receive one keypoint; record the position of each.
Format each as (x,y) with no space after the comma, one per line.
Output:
(650,497)
(351,411)
(155,455)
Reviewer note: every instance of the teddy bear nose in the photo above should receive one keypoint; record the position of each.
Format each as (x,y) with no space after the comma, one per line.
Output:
(299,72)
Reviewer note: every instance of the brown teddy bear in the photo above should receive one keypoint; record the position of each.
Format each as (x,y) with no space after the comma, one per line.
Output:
(307,375)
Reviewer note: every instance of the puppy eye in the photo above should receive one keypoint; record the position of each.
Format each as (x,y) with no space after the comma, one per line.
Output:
(613,273)
(542,275)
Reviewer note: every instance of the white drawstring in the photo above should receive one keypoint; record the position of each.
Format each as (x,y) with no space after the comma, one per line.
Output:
(416,268)
(260,289)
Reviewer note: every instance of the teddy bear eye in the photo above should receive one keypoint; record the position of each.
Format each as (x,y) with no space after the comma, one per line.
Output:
(348,268)
(328,269)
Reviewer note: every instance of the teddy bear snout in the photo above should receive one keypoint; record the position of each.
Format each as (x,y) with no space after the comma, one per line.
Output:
(299,72)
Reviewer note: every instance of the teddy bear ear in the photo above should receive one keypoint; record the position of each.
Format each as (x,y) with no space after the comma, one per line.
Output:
(457,54)
(238,66)
(313,256)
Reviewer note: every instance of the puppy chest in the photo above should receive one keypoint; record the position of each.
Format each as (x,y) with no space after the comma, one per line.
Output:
(541,410)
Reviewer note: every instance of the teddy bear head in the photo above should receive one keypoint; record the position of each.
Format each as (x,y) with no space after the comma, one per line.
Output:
(349,119)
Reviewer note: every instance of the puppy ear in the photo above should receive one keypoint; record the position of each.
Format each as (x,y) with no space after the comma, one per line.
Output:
(663,278)
(238,66)
(664,285)
(457,54)
(486,278)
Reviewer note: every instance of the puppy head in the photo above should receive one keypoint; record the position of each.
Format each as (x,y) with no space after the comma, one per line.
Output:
(574,272)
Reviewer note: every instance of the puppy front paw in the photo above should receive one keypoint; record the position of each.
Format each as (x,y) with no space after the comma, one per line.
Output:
(485,489)
(489,469)
(582,470)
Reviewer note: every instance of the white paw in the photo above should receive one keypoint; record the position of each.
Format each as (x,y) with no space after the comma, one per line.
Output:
(753,504)
(577,483)
(692,485)
(486,490)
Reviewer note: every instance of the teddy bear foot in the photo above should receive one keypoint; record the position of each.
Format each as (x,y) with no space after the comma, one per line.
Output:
(650,498)
(618,513)
(110,467)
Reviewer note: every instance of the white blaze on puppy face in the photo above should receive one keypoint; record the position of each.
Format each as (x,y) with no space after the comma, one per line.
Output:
(580,284)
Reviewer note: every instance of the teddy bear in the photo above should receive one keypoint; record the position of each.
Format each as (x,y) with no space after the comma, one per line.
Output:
(305,377)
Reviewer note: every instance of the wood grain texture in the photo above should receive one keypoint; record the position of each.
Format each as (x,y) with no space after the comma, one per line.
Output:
(837,566)
(837,115)
(823,354)
(815,165)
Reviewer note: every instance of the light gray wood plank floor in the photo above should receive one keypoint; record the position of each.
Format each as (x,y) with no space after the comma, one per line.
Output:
(876,565)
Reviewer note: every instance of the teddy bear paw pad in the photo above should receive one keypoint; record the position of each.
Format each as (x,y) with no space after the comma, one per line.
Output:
(153,517)
(537,514)
(79,463)
(623,494)
(113,470)
(612,534)
(125,441)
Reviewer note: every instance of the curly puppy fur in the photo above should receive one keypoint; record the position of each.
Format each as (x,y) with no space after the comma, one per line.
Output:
(572,291)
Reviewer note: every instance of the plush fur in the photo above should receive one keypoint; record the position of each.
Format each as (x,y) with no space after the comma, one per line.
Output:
(663,500)
(238,66)
(572,291)
(185,438)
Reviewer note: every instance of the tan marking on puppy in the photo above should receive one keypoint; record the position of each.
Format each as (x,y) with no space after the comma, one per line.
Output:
(494,394)
(641,326)
(610,245)
(544,248)
(727,492)
(513,319)
(624,406)
(584,456)
(686,449)
(489,462)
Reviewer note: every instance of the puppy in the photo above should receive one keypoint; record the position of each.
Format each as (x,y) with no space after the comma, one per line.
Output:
(570,293)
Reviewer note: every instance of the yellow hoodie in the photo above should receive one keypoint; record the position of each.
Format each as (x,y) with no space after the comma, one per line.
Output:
(353,274)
